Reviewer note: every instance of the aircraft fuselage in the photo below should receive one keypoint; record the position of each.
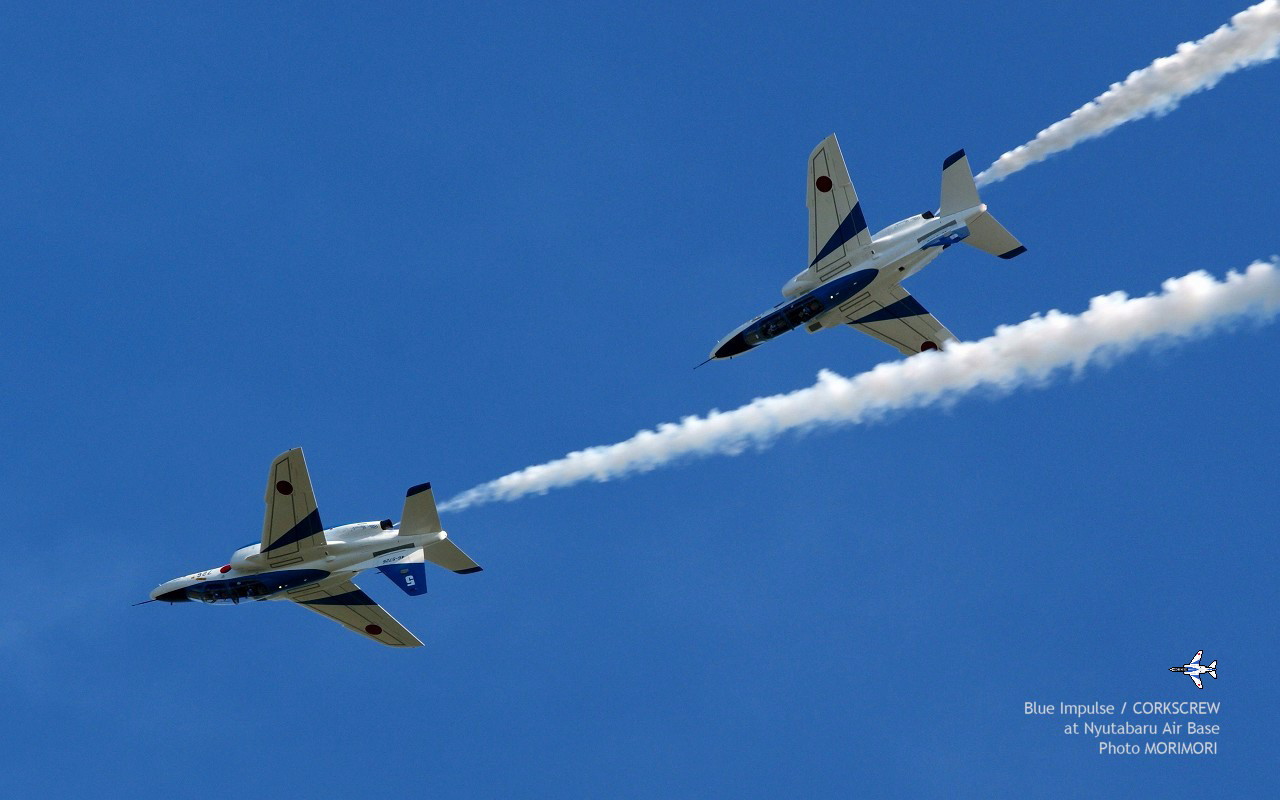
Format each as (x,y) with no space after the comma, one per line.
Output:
(349,549)
(1191,669)
(897,252)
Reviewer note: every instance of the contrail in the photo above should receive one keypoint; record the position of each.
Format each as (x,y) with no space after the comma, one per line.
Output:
(1251,37)
(1015,355)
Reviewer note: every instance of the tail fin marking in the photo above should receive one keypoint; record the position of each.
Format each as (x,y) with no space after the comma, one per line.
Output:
(410,576)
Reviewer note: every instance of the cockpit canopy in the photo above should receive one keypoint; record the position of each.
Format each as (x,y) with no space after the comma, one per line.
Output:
(252,587)
(783,321)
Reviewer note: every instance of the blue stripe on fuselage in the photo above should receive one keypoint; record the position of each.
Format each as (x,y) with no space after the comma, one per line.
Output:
(793,314)
(261,584)
(947,239)
(835,292)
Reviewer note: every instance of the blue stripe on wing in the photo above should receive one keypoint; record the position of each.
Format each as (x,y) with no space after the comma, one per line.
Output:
(853,225)
(307,526)
(906,307)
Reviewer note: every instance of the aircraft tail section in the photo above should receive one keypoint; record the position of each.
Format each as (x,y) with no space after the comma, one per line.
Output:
(419,515)
(960,193)
(1213,669)
(409,574)
(445,553)
(989,236)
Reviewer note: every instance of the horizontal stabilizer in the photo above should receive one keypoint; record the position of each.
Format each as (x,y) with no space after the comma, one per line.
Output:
(446,554)
(420,515)
(990,236)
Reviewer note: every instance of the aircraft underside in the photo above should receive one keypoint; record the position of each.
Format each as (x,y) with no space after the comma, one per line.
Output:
(285,563)
(246,587)
(854,278)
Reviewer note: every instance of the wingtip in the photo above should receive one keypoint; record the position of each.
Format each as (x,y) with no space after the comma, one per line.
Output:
(953,158)
(469,570)
(419,489)
(830,138)
(1014,253)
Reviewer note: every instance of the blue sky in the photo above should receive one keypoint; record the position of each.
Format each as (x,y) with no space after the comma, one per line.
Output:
(444,244)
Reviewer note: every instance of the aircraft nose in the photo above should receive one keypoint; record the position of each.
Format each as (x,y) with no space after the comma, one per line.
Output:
(166,593)
(733,346)
(174,596)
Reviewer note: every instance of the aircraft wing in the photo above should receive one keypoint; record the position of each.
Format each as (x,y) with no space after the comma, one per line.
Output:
(838,234)
(1199,683)
(292,525)
(344,602)
(896,318)
(1196,660)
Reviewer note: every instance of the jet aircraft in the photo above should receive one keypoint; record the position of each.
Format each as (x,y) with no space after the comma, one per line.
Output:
(299,560)
(1195,669)
(854,278)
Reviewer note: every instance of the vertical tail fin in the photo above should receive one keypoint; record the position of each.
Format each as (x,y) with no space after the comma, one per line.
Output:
(420,515)
(409,573)
(960,193)
(958,189)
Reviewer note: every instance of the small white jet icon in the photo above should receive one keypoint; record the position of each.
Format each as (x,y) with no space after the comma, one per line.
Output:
(1195,669)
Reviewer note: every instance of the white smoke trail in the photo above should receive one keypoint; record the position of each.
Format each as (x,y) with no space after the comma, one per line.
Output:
(1252,37)
(1015,355)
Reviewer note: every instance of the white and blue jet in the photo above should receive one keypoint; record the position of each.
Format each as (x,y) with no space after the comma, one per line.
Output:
(1195,669)
(300,561)
(854,278)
